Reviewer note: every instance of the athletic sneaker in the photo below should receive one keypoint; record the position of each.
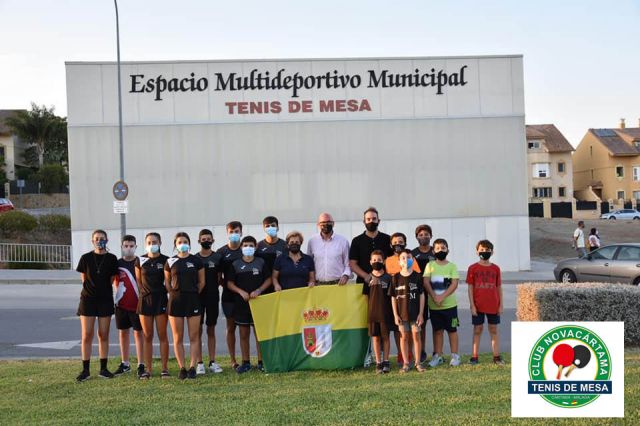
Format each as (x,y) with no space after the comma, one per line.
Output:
(260,366)
(214,367)
(474,360)
(386,367)
(200,369)
(368,360)
(165,374)
(436,360)
(423,357)
(106,374)
(379,368)
(183,374)
(243,368)
(122,368)
(498,360)
(140,370)
(455,360)
(192,373)
(84,375)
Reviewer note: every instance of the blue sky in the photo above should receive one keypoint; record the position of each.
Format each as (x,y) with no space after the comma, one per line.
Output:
(581,61)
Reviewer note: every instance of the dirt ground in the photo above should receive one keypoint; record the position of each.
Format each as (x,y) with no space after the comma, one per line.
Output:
(551,238)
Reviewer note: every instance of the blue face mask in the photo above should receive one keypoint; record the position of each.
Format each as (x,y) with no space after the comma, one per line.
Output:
(234,238)
(248,251)
(153,248)
(409,264)
(271,231)
(101,244)
(183,248)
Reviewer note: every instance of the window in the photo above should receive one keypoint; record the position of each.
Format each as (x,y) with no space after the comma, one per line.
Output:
(534,145)
(619,171)
(636,195)
(620,195)
(560,167)
(591,151)
(541,170)
(637,144)
(542,192)
(629,253)
(636,173)
(561,192)
(604,253)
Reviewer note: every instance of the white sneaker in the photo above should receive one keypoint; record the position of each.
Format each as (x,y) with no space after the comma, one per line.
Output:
(200,369)
(455,360)
(215,368)
(436,360)
(368,360)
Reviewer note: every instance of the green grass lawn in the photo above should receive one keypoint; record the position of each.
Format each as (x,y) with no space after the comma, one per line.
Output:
(44,392)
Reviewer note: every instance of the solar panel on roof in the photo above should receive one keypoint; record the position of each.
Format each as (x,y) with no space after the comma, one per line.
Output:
(604,132)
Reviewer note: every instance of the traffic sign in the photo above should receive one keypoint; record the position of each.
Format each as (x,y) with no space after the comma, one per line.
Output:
(121,207)
(120,190)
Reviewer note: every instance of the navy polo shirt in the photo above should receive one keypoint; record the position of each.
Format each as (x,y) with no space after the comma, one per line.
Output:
(292,274)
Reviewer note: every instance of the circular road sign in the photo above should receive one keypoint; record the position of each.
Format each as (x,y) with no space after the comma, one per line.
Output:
(120,190)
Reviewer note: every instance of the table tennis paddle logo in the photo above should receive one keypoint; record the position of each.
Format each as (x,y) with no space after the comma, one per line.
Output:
(570,367)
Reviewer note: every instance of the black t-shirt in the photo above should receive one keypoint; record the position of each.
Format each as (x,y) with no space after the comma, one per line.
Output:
(249,276)
(270,252)
(407,291)
(228,257)
(184,273)
(380,309)
(99,270)
(152,274)
(423,258)
(212,266)
(363,245)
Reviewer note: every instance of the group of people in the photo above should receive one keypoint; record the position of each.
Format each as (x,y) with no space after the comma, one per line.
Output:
(405,288)
(578,242)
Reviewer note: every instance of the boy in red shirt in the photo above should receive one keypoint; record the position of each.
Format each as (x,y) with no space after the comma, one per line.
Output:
(485,299)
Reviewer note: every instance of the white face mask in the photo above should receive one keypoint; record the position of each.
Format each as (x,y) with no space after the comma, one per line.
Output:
(128,252)
(153,248)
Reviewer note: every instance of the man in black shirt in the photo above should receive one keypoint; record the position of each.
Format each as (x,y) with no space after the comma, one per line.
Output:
(364,244)
(272,246)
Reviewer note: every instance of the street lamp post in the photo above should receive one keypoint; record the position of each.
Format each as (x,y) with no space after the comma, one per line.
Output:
(123,216)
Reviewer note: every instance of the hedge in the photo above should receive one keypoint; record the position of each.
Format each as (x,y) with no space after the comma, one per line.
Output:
(54,222)
(17,222)
(582,302)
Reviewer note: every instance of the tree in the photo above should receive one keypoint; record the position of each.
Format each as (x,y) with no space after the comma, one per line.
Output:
(3,175)
(43,129)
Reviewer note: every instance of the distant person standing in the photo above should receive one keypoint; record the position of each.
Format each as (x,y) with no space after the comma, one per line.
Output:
(330,253)
(578,240)
(366,243)
(594,240)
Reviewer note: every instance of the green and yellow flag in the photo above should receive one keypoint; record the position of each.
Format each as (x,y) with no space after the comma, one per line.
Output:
(317,328)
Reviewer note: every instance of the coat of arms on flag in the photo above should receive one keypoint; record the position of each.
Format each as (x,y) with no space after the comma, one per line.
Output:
(316,339)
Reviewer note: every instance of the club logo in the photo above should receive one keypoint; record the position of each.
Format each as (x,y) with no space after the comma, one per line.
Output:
(316,339)
(570,367)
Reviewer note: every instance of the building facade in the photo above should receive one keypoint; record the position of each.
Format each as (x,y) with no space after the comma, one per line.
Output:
(11,147)
(550,167)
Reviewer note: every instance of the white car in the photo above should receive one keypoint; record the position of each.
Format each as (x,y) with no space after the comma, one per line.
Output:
(622,214)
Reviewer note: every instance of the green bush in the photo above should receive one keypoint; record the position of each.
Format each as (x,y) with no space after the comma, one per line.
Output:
(52,178)
(17,222)
(582,302)
(54,223)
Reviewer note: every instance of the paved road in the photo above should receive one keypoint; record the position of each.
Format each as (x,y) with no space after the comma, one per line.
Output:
(38,320)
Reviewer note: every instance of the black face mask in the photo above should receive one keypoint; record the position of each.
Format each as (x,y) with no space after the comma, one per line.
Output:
(294,248)
(206,245)
(398,248)
(371,226)
(441,255)
(327,228)
(377,266)
(485,255)
(424,241)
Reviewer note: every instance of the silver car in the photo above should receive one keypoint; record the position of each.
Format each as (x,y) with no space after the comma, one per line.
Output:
(616,263)
(622,214)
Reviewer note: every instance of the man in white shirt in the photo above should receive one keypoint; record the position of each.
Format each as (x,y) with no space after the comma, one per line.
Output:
(330,253)
(578,240)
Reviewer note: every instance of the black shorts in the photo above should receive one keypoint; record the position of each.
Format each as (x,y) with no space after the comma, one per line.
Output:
(479,319)
(152,304)
(242,312)
(210,310)
(445,319)
(227,309)
(379,329)
(184,305)
(95,307)
(127,319)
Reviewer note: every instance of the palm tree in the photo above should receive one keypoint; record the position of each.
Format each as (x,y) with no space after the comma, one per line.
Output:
(36,127)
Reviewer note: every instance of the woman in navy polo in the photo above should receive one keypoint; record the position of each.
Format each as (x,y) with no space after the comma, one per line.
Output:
(295,270)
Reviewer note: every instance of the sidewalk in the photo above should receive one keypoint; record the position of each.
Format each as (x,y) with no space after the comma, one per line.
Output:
(540,271)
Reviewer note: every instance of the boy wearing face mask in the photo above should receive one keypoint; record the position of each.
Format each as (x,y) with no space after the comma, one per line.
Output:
(126,300)
(209,297)
(380,311)
(272,246)
(485,299)
(423,254)
(399,245)
(248,279)
(441,281)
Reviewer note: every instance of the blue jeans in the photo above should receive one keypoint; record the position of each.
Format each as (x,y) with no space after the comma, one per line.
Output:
(582,252)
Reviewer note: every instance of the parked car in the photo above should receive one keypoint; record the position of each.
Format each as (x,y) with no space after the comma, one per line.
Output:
(616,263)
(622,214)
(5,205)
